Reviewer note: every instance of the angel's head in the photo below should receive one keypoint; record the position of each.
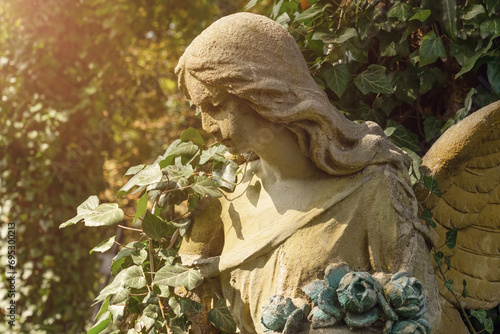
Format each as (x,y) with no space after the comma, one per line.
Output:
(251,62)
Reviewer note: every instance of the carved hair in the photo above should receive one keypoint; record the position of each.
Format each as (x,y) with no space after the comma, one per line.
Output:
(255,59)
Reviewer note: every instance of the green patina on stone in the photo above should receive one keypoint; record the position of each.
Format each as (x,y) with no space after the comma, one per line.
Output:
(313,290)
(420,326)
(406,295)
(334,273)
(357,292)
(276,313)
(328,303)
(357,320)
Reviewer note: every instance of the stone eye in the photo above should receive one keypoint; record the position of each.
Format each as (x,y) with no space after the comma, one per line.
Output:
(210,108)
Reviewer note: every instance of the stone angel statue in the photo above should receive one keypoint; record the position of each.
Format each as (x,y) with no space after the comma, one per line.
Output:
(322,234)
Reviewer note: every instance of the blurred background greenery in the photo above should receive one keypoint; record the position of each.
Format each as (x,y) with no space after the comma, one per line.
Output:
(87,88)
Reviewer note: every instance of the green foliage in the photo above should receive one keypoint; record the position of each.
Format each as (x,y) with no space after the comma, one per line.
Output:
(148,266)
(220,317)
(395,62)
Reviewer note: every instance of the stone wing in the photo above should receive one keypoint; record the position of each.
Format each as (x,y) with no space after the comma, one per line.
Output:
(466,163)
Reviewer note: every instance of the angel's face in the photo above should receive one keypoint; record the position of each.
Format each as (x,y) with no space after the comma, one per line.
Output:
(229,119)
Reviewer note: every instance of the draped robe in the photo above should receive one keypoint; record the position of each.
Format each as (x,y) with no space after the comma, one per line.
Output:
(278,239)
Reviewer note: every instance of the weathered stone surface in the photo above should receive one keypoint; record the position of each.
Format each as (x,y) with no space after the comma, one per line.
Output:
(324,190)
(466,163)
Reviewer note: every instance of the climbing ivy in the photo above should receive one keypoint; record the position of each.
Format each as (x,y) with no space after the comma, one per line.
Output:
(151,289)
(407,65)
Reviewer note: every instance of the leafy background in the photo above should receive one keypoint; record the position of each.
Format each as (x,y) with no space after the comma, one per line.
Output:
(87,89)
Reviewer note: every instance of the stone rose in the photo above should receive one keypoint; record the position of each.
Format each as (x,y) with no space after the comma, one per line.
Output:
(406,296)
(357,292)
(409,327)
(276,313)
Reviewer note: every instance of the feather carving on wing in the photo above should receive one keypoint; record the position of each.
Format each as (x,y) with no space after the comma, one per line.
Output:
(466,164)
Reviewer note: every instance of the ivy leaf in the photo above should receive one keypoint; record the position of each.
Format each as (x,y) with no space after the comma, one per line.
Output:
(72,221)
(183,225)
(103,309)
(373,80)
(421,14)
(389,131)
(168,255)
(88,206)
(343,36)
(205,186)
(488,325)
(101,324)
(311,12)
(139,256)
(128,250)
(176,307)
(403,137)
(338,37)
(251,3)
(220,317)
(132,277)
(431,48)
(415,166)
(449,17)
(110,289)
(149,316)
(469,63)
(190,306)
(192,135)
(357,50)
(467,106)
(215,152)
(106,214)
(152,311)
(451,238)
(135,169)
(82,211)
(492,6)
(438,257)
(150,174)
(104,245)
(431,183)
(400,10)
(405,83)
(465,293)
(480,315)
(178,275)
(430,78)
(154,227)
(337,78)
(180,175)
(493,72)
(142,205)
(432,127)
(225,177)
(180,325)
(121,296)
(185,149)
(448,262)
(490,27)
(427,217)
(472,11)
(449,284)
(117,312)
